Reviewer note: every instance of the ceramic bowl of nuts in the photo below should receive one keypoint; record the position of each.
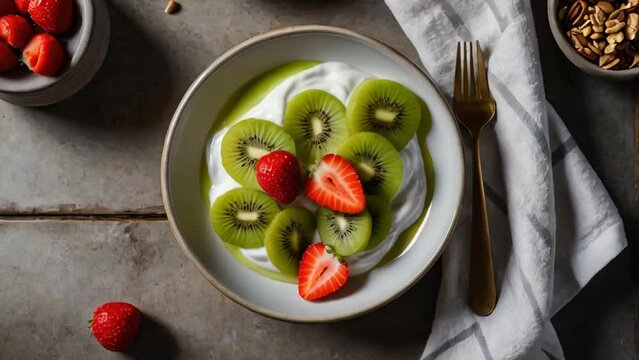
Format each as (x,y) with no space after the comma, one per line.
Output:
(599,37)
(50,49)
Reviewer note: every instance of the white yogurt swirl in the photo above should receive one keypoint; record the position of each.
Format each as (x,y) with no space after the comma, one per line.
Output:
(338,79)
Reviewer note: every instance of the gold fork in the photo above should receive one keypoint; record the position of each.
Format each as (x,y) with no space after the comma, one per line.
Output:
(475,108)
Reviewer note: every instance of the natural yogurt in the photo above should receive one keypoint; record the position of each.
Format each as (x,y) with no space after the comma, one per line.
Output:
(338,79)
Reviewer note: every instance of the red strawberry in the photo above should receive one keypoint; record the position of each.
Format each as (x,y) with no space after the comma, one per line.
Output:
(15,30)
(23,6)
(54,16)
(335,185)
(321,272)
(8,59)
(7,7)
(115,324)
(278,173)
(43,55)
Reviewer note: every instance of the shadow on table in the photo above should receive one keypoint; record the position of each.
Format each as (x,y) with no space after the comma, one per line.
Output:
(129,92)
(598,322)
(154,342)
(403,323)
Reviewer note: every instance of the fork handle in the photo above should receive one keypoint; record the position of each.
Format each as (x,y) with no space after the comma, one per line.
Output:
(481,290)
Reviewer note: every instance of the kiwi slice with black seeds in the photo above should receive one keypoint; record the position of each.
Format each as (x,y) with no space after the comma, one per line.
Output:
(286,238)
(246,142)
(317,122)
(347,234)
(241,216)
(385,107)
(377,162)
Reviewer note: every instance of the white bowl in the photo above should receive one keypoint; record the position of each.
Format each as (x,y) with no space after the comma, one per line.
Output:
(86,46)
(184,149)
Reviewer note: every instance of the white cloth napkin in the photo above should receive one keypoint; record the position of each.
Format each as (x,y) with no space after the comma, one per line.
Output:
(553,225)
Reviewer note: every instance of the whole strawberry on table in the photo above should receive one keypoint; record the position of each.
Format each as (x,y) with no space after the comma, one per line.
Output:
(27,34)
(115,325)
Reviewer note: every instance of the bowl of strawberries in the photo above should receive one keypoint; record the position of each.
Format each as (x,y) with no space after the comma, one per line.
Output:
(50,49)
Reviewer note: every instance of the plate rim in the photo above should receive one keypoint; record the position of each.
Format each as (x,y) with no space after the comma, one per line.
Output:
(184,102)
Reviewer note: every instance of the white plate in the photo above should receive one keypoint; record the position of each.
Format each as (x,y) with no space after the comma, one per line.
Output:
(185,144)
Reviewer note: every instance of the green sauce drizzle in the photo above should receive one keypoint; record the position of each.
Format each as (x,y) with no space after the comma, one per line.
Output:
(408,235)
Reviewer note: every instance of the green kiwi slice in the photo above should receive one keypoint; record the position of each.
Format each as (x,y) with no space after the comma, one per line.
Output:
(377,162)
(286,238)
(380,210)
(317,122)
(241,216)
(385,107)
(246,142)
(346,234)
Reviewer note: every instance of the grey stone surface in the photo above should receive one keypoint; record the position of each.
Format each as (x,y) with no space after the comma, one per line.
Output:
(99,151)
(54,274)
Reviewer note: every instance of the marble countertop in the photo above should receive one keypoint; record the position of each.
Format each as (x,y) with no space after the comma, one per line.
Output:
(82,216)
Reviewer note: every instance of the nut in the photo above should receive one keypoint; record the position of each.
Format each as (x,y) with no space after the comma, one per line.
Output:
(608,61)
(602,45)
(598,16)
(576,11)
(594,47)
(586,31)
(632,26)
(635,62)
(585,24)
(611,64)
(605,6)
(172,7)
(613,26)
(630,5)
(617,15)
(576,43)
(610,48)
(589,54)
(596,36)
(615,38)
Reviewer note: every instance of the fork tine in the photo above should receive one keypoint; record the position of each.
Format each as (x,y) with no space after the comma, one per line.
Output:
(465,73)
(482,82)
(458,78)
(471,65)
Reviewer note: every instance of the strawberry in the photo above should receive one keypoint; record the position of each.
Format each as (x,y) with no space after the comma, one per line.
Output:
(15,30)
(54,16)
(278,174)
(43,54)
(321,272)
(8,59)
(335,185)
(7,7)
(23,6)
(115,324)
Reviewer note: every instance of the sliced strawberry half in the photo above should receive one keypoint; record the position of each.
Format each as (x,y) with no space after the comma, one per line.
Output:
(335,185)
(321,272)
(43,54)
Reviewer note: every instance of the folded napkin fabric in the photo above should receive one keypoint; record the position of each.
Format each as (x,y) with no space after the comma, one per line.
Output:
(553,225)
